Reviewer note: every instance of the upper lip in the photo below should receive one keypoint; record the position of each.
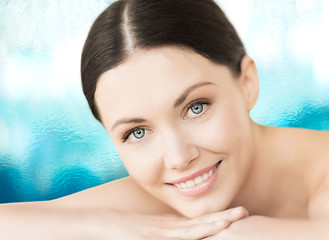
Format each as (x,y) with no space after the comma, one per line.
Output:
(194,175)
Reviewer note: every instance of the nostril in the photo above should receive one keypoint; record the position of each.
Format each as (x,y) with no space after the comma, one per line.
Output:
(179,152)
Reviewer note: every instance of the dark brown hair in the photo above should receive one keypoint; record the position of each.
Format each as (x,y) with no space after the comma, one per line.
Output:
(198,25)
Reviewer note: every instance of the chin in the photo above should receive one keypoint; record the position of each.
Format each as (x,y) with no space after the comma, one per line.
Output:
(194,214)
(198,209)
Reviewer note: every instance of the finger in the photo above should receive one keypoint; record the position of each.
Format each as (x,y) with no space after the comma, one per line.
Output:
(196,231)
(174,221)
(231,215)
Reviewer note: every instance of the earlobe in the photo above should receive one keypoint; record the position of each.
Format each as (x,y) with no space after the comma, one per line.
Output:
(249,81)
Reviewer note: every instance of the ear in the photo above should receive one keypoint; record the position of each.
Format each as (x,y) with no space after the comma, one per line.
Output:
(249,81)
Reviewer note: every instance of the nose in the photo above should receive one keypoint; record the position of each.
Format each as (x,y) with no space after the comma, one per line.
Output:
(178,149)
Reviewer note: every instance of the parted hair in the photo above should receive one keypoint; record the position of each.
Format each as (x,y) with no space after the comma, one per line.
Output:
(127,25)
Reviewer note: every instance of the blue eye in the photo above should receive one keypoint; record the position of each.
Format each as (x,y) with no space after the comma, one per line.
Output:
(197,108)
(135,134)
(139,133)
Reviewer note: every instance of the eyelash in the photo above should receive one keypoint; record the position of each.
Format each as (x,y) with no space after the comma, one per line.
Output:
(196,102)
(129,132)
(187,108)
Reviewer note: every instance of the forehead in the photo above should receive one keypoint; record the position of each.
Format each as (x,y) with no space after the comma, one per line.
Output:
(153,66)
(150,78)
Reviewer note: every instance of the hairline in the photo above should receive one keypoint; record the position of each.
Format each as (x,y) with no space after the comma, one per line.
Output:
(141,49)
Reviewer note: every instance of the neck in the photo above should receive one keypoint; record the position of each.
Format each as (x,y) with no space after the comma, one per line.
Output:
(273,186)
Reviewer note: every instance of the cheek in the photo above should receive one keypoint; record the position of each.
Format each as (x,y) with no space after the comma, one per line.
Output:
(143,164)
(225,131)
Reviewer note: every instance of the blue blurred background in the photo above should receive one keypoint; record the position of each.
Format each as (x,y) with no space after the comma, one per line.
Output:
(51,146)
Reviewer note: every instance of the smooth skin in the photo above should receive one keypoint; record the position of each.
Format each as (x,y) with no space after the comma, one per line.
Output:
(148,107)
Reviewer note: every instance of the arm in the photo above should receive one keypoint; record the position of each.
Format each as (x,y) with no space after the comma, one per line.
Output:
(41,220)
(107,212)
(260,228)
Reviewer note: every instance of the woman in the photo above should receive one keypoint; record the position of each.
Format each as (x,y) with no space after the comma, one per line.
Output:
(172,85)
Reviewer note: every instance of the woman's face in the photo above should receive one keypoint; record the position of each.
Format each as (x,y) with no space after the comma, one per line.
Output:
(181,126)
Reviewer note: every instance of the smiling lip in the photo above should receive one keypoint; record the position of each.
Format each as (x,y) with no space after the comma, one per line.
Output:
(200,188)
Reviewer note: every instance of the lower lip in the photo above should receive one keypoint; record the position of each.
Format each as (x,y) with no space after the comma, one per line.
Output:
(200,188)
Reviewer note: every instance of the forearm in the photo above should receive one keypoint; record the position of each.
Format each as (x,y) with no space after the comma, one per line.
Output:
(20,222)
(264,228)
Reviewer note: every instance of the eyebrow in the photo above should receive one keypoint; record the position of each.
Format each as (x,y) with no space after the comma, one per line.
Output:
(184,95)
(178,102)
(126,121)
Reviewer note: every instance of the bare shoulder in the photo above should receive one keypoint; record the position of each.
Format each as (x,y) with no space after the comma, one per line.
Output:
(319,137)
(312,144)
(315,145)
(309,150)
(123,195)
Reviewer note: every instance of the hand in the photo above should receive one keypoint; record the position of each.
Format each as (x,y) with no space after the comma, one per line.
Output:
(138,226)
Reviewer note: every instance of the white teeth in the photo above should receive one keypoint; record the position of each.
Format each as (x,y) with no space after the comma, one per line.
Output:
(190,184)
(210,173)
(197,180)
(205,176)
